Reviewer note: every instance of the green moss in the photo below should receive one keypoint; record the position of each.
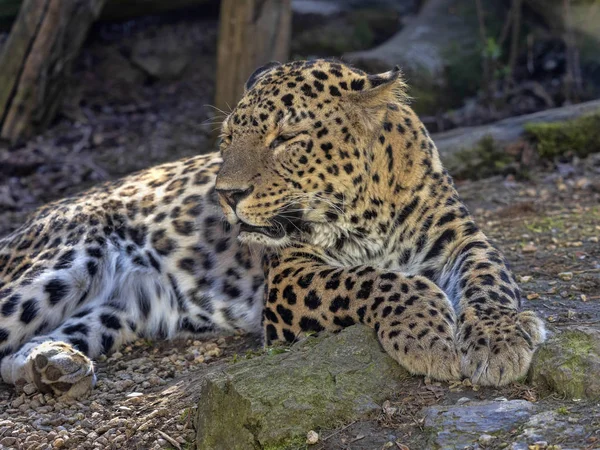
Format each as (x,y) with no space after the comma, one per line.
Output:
(225,422)
(486,159)
(546,225)
(579,136)
(579,343)
(579,346)
(186,415)
(297,443)
(276,350)
(566,371)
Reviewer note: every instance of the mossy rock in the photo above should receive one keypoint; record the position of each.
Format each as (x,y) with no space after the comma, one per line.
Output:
(568,363)
(579,136)
(272,401)
(481,152)
(487,158)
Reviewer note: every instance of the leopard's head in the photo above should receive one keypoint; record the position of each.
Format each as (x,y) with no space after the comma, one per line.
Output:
(298,150)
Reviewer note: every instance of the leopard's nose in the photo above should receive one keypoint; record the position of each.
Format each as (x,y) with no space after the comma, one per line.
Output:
(234,196)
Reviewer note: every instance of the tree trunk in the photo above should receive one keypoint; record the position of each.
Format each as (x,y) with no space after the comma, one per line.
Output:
(251,33)
(36,61)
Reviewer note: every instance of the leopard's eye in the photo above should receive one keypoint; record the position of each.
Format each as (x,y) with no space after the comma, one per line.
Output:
(279,140)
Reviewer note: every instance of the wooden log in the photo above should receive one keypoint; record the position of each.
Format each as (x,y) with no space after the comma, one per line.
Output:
(251,33)
(36,60)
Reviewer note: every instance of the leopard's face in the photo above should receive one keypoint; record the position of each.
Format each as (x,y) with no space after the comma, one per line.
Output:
(294,158)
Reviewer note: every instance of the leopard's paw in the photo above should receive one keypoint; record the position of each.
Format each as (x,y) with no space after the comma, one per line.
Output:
(434,355)
(58,368)
(497,353)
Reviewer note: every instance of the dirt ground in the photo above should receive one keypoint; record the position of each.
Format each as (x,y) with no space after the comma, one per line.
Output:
(548,227)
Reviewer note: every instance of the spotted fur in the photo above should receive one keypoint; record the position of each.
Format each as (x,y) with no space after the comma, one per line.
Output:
(338,211)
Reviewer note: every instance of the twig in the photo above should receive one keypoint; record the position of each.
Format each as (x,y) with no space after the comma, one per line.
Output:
(357,438)
(338,431)
(170,439)
(579,272)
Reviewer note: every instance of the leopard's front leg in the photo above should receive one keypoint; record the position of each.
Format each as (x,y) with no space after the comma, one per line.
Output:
(413,318)
(496,342)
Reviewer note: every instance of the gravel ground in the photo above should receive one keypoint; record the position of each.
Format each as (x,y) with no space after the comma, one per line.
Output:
(143,400)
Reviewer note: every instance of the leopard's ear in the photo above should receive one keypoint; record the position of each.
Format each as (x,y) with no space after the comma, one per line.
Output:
(259,73)
(381,89)
(368,103)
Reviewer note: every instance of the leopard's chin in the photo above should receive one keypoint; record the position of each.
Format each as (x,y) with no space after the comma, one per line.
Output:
(252,237)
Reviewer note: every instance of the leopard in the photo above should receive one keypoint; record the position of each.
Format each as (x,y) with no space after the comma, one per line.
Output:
(325,205)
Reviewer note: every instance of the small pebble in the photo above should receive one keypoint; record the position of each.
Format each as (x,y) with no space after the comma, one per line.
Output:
(566,276)
(388,409)
(29,389)
(485,439)
(8,441)
(312,437)
(134,394)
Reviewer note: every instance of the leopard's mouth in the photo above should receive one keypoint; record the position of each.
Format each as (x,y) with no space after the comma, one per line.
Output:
(283,224)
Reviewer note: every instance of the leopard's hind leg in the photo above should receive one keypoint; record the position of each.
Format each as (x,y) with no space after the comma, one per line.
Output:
(70,315)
